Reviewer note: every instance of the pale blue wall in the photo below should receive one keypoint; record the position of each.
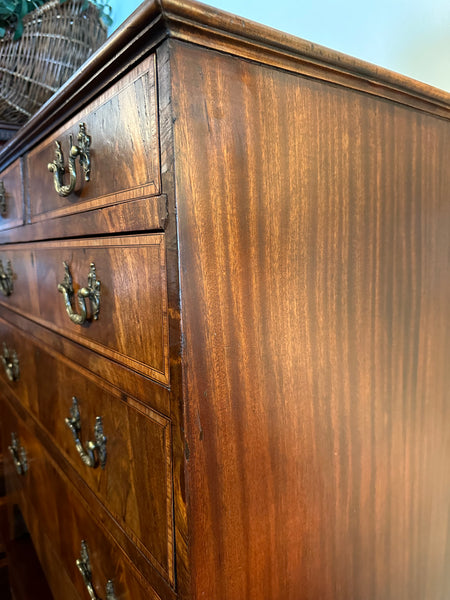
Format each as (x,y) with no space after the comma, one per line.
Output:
(408,36)
(121,10)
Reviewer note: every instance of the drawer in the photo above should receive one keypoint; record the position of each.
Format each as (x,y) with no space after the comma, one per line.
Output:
(11,196)
(17,367)
(60,522)
(122,127)
(20,450)
(131,471)
(132,323)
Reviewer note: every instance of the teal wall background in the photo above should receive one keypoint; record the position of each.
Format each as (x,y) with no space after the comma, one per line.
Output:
(411,37)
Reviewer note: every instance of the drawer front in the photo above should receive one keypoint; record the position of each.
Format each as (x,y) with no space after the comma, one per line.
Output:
(59,521)
(11,197)
(20,451)
(130,469)
(132,323)
(122,128)
(18,367)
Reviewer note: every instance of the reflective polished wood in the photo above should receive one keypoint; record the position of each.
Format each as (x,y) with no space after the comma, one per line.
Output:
(270,223)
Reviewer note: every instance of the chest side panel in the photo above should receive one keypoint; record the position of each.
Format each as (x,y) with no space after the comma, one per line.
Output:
(314,253)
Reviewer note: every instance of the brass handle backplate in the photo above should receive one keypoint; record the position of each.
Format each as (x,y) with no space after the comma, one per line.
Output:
(84,566)
(3,203)
(95,452)
(10,363)
(6,279)
(91,292)
(18,454)
(57,167)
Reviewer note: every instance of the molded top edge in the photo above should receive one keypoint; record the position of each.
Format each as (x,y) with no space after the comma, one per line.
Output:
(266,37)
(192,21)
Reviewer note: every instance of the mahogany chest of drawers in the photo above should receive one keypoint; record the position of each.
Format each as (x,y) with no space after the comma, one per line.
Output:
(224,321)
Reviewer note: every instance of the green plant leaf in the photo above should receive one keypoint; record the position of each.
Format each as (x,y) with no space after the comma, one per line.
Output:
(19,30)
(24,7)
(7,7)
(12,13)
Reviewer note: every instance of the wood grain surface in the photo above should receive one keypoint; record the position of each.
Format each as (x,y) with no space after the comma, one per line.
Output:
(164,78)
(123,127)
(58,521)
(13,186)
(314,229)
(270,223)
(155,20)
(149,214)
(132,321)
(117,375)
(137,477)
(24,387)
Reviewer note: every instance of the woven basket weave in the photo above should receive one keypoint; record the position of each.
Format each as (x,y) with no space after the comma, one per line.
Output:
(56,40)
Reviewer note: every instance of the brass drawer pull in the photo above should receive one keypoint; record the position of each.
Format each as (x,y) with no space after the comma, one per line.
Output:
(57,166)
(3,204)
(6,279)
(92,292)
(10,363)
(84,566)
(18,454)
(95,453)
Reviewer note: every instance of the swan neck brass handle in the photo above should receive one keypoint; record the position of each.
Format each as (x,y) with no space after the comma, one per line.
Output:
(80,150)
(84,566)
(10,363)
(18,454)
(91,292)
(95,452)
(6,279)
(3,203)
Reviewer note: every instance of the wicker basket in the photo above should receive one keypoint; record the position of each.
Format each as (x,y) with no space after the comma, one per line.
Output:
(56,40)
